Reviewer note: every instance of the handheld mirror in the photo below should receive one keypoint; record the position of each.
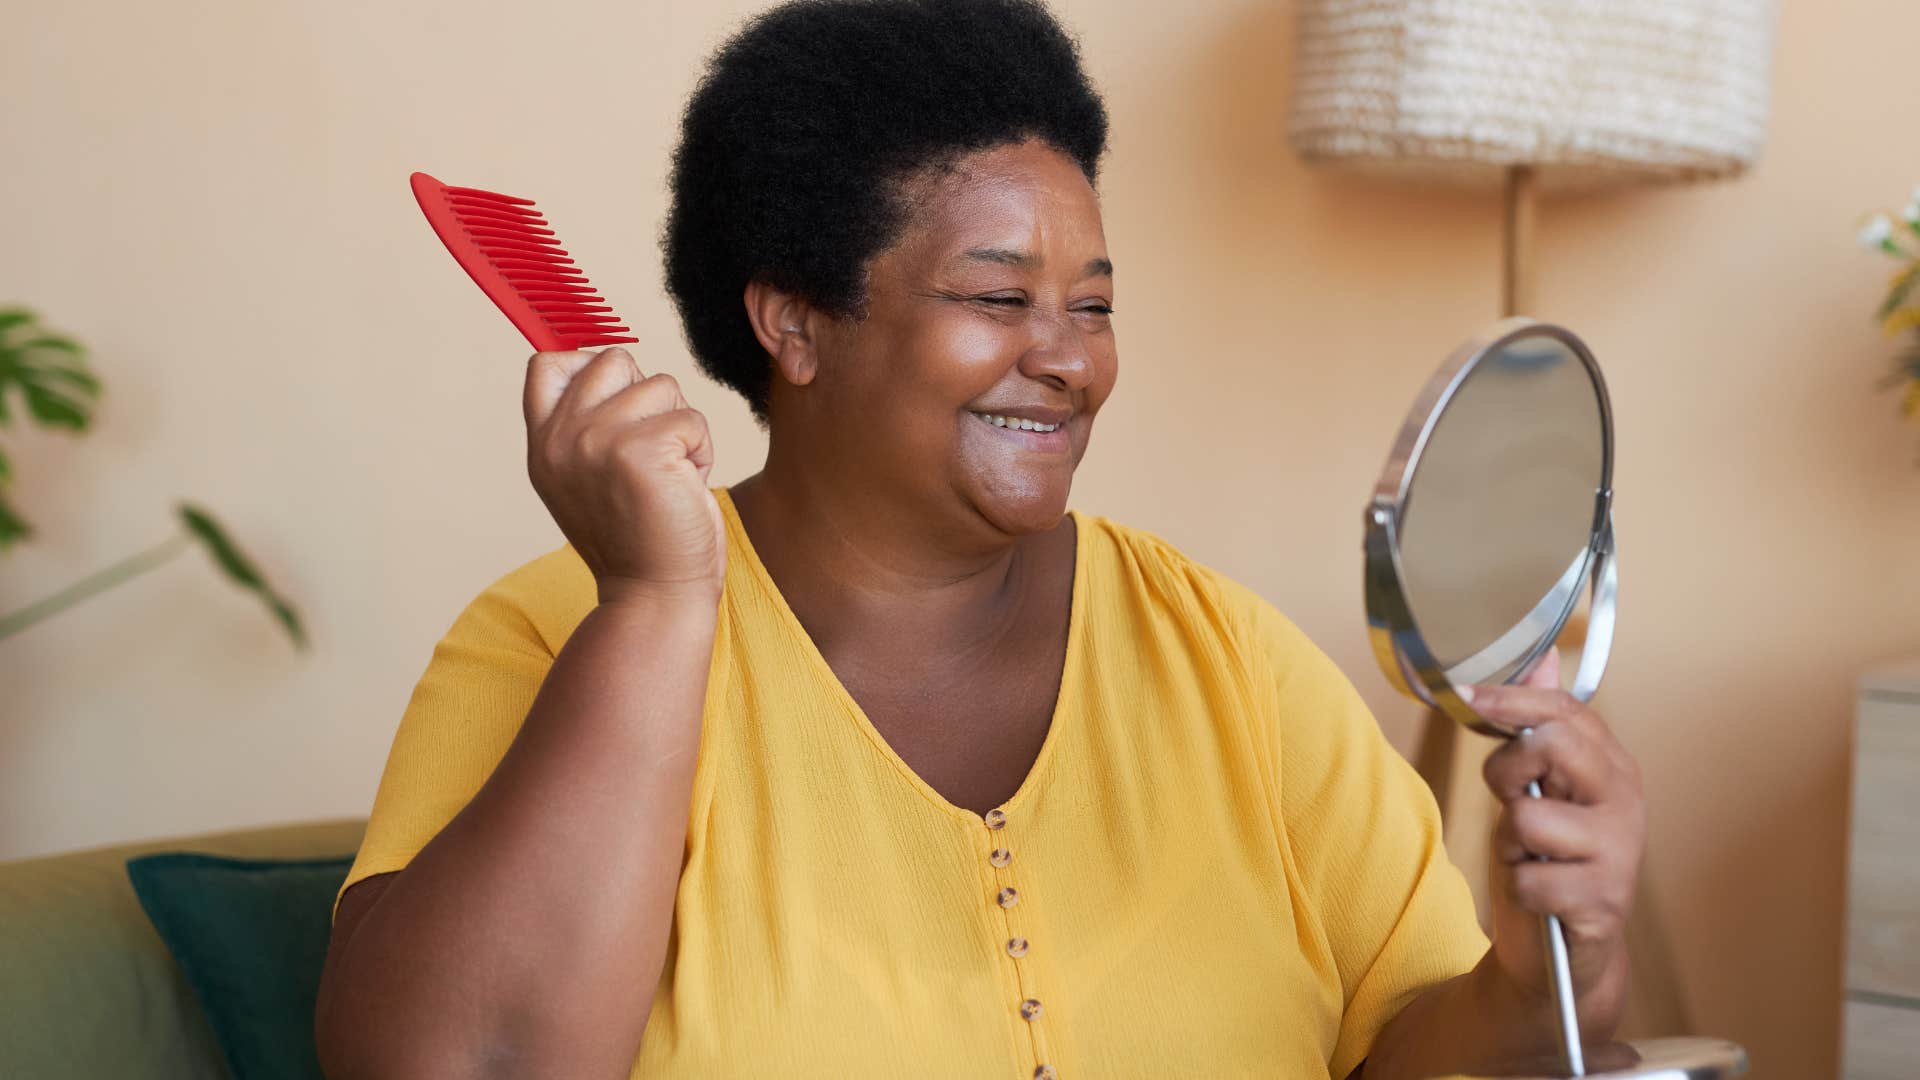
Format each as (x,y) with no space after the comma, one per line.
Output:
(1492,520)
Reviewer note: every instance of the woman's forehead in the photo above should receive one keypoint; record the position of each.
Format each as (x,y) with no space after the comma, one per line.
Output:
(1012,205)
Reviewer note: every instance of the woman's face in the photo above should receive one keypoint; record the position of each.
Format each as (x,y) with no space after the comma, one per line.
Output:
(971,385)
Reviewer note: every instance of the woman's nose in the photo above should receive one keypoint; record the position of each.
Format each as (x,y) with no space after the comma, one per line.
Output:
(1059,354)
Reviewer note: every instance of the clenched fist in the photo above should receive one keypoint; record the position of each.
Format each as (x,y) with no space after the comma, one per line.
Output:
(621,461)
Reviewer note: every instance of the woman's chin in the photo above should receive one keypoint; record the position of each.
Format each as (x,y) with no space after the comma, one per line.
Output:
(1023,508)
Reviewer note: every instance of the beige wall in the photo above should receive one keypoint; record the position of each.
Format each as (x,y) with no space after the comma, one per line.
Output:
(214,196)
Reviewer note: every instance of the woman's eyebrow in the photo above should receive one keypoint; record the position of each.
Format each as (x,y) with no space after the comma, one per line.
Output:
(1098,266)
(1024,260)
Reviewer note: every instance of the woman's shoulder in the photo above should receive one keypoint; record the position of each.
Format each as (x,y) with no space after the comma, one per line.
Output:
(536,604)
(1184,587)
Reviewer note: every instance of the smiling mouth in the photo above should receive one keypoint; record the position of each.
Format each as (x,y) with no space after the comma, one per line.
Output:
(1015,422)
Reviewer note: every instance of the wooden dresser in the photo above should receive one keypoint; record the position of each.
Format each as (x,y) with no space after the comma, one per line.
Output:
(1881,1030)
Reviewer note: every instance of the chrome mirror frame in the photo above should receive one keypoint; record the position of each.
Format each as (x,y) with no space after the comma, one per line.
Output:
(1402,652)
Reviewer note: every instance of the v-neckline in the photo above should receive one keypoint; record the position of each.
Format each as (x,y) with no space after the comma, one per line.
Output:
(742,549)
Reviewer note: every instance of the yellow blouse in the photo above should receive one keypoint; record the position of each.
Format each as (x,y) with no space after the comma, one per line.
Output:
(1216,867)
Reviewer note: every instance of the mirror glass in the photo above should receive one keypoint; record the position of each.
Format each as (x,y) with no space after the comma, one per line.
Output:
(1497,524)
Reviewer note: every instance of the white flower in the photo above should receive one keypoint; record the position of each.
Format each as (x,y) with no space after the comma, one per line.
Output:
(1912,211)
(1877,232)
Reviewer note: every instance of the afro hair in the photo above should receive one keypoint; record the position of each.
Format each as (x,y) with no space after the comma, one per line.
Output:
(801,134)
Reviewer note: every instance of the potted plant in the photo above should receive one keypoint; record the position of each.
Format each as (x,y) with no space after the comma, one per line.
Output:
(1899,313)
(46,374)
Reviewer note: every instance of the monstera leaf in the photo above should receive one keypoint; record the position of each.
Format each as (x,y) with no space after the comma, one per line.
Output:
(46,370)
(12,527)
(47,373)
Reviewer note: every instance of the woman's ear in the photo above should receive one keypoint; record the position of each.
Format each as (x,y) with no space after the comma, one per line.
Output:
(783,322)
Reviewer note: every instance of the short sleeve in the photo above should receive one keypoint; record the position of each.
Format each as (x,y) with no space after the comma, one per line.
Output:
(1364,835)
(469,704)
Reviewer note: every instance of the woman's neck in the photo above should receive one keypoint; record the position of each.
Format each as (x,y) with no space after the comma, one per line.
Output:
(859,568)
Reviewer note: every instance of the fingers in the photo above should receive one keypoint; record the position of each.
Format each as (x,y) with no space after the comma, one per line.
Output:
(682,432)
(651,396)
(609,372)
(1592,900)
(1512,708)
(625,419)
(593,405)
(1571,760)
(564,382)
(548,374)
(1548,828)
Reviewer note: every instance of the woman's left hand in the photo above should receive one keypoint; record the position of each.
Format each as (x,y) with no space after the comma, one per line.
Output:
(1591,827)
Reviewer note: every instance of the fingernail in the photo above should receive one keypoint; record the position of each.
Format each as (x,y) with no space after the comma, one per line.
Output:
(1465,692)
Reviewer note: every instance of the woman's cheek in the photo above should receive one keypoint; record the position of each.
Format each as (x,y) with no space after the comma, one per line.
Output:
(972,356)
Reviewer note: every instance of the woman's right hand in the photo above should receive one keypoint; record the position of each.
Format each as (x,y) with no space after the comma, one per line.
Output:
(621,461)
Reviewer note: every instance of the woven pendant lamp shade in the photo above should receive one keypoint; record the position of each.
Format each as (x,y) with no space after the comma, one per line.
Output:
(1593,92)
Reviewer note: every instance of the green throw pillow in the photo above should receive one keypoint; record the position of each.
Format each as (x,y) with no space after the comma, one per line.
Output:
(251,936)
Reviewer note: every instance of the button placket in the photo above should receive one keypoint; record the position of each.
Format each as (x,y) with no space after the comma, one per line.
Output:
(1006,897)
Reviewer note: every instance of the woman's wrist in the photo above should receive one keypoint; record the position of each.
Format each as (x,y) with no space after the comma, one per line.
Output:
(658,596)
(1599,1006)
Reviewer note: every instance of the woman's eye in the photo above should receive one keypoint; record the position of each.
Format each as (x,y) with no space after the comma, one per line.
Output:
(1021,301)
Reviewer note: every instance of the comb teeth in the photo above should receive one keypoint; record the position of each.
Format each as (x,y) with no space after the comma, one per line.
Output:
(509,249)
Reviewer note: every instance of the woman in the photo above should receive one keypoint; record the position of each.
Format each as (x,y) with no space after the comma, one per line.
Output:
(881,762)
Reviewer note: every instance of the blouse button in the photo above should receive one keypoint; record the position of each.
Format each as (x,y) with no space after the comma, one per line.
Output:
(1000,856)
(1009,897)
(1030,1009)
(1017,947)
(996,818)
(1045,1072)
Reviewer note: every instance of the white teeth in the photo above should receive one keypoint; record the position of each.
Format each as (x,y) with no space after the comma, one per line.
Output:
(1016,422)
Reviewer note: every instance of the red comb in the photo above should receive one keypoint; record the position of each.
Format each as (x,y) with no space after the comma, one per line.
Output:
(505,246)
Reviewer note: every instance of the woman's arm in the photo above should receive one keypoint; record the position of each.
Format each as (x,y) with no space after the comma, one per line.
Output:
(526,938)
(1481,1021)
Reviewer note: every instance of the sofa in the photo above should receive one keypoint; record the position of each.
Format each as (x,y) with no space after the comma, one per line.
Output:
(87,988)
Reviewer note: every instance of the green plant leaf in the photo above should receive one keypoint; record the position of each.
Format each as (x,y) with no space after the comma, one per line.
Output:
(56,410)
(50,373)
(15,316)
(209,532)
(13,527)
(82,380)
(48,369)
(1902,287)
(240,569)
(54,342)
